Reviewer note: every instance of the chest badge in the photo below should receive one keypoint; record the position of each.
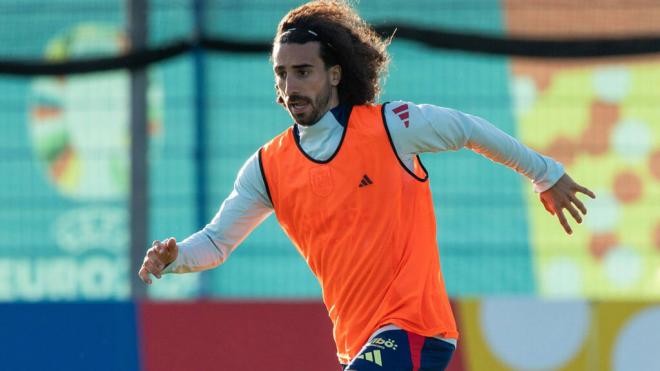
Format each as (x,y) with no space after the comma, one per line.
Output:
(321,180)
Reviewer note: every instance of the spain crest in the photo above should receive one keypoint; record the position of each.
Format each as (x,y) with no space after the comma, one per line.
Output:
(320,178)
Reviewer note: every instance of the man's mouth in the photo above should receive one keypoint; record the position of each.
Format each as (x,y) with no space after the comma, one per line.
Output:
(298,107)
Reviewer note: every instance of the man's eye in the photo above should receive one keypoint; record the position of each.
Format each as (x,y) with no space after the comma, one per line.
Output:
(281,74)
(303,73)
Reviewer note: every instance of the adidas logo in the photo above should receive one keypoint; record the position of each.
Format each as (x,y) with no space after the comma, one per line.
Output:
(372,357)
(402,112)
(365,181)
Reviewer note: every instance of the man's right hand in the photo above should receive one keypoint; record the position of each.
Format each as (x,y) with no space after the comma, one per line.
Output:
(157,258)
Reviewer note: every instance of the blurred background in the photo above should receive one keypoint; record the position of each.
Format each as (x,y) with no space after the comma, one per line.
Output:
(122,122)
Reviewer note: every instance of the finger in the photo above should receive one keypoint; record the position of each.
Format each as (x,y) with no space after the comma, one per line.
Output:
(160,249)
(153,268)
(156,246)
(158,263)
(144,275)
(547,206)
(170,245)
(576,215)
(585,190)
(563,221)
(152,253)
(579,204)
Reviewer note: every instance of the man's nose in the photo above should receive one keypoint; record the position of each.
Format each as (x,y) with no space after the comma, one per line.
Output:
(291,86)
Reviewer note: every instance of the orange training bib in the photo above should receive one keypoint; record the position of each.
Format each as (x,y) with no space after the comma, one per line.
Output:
(366,227)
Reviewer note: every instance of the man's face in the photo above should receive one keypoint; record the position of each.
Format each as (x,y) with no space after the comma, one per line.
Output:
(308,89)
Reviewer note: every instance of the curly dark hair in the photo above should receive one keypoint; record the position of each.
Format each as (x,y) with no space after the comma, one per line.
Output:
(347,40)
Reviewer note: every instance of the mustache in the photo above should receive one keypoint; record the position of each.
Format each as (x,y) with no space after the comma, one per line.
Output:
(298,98)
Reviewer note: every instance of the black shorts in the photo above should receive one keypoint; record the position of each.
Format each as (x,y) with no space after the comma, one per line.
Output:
(400,350)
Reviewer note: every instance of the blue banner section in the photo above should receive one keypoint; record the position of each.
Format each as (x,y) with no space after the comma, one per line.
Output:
(69,336)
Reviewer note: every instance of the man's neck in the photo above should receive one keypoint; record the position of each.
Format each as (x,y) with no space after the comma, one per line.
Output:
(340,112)
(321,141)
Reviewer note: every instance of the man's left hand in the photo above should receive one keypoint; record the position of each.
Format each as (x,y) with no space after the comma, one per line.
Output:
(562,196)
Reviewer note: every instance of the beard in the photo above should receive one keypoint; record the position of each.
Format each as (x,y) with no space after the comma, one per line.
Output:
(315,109)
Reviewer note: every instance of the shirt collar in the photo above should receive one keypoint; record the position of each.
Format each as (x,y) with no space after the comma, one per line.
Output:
(334,119)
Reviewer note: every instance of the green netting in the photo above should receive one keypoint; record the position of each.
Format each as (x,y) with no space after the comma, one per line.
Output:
(64,153)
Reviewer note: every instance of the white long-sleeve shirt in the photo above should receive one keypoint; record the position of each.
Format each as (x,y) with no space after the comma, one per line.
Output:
(428,128)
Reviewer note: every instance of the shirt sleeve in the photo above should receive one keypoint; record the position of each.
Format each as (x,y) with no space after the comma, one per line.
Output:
(243,210)
(427,128)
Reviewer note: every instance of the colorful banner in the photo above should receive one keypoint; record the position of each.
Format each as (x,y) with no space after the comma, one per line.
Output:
(507,334)
(600,118)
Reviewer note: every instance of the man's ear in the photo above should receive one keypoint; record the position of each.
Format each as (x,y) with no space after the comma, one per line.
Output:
(335,75)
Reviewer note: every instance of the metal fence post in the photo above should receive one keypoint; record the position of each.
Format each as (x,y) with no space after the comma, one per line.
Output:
(199,60)
(139,191)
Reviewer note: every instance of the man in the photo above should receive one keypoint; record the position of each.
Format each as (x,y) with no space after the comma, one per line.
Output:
(349,190)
